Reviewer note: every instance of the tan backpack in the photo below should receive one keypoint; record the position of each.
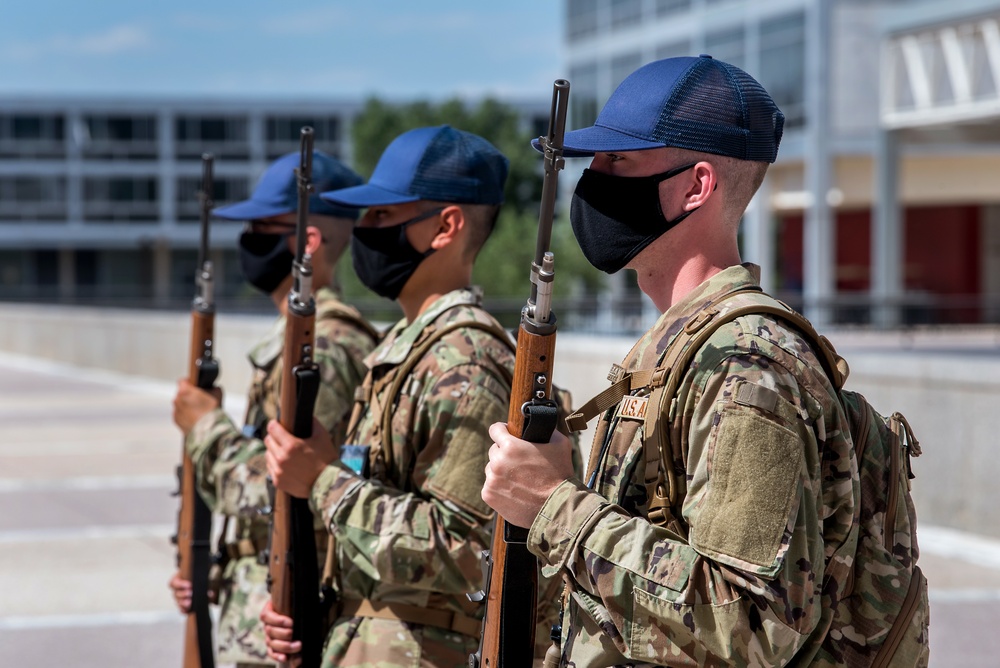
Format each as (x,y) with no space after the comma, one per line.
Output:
(882,618)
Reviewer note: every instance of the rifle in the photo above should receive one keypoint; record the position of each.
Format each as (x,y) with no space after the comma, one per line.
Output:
(194,519)
(293,577)
(509,570)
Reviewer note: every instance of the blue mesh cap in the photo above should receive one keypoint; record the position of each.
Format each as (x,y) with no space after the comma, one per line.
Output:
(439,164)
(277,190)
(700,104)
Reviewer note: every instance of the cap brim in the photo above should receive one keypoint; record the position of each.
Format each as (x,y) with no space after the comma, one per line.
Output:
(585,142)
(366,195)
(249,210)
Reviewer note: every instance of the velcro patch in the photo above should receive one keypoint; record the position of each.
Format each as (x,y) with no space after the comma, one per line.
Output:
(632,408)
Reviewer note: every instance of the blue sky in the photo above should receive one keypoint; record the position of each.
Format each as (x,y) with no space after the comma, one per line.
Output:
(281,48)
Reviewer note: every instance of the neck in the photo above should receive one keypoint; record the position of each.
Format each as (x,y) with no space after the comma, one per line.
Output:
(667,278)
(429,283)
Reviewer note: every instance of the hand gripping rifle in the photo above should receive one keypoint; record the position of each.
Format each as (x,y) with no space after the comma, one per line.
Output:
(194,519)
(294,576)
(508,638)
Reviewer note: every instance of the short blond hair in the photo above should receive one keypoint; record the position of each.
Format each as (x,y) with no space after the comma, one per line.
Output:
(739,180)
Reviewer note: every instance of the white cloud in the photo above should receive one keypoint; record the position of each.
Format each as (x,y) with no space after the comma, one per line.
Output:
(116,40)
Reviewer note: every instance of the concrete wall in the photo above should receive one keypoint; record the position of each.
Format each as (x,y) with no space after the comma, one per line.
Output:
(946,382)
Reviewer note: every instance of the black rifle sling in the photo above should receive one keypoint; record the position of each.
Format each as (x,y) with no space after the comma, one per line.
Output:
(201,563)
(305,570)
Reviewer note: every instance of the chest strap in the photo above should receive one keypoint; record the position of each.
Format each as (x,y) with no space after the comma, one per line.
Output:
(440,619)
(402,373)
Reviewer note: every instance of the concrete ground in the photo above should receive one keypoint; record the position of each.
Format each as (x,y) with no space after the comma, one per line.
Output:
(86,471)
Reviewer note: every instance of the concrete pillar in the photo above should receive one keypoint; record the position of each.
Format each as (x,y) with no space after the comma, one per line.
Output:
(78,137)
(161,272)
(887,235)
(758,237)
(819,237)
(990,263)
(257,142)
(67,274)
(167,177)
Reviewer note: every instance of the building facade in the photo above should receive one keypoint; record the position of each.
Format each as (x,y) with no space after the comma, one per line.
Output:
(98,196)
(884,205)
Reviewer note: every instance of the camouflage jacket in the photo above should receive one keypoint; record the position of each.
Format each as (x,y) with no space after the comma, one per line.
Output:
(769,499)
(231,471)
(412,534)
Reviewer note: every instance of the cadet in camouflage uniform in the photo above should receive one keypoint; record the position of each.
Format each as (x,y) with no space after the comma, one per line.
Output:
(229,461)
(751,568)
(409,536)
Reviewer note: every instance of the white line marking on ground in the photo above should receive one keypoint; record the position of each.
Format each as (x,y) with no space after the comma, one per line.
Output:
(963,595)
(87,483)
(961,545)
(119,380)
(86,533)
(89,620)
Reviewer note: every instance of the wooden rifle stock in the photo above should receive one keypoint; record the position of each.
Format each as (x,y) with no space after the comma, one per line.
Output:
(194,518)
(293,570)
(510,571)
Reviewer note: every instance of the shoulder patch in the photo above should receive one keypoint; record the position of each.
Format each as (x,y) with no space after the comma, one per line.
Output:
(632,408)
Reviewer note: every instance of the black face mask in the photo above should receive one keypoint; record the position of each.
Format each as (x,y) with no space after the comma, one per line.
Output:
(384,258)
(265,259)
(615,217)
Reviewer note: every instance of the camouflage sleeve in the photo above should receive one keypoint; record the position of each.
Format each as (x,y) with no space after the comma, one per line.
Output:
(745,587)
(429,538)
(230,467)
(231,470)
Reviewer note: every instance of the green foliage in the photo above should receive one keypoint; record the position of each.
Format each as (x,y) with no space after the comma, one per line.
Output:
(503,265)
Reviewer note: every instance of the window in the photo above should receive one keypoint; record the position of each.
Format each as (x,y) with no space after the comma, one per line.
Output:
(727,45)
(671,7)
(224,136)
(28,135)
(581,19)
(625,13)
(673,50)
(288,128)
(583,97)
(283,134)
(782,64)
(111,137)
(227,190)
(121,128)
(622,66)
(120,198)
(36,198)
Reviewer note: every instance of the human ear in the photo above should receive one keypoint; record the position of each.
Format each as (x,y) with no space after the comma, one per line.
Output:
(314,239)
(700,186)
(452,221)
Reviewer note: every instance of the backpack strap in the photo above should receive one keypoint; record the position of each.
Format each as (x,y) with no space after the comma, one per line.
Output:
(678,358)
(331,570)
(403,372)
(338,311)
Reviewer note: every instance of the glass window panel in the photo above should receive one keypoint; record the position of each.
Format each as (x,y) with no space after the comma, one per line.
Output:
(581,18)
(625,13)
(622,66)
(782,64)
(583,100)
(673,50)
(669,7)
(727,45)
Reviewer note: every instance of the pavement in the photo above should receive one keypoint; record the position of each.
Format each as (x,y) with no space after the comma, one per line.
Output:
(86,475)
